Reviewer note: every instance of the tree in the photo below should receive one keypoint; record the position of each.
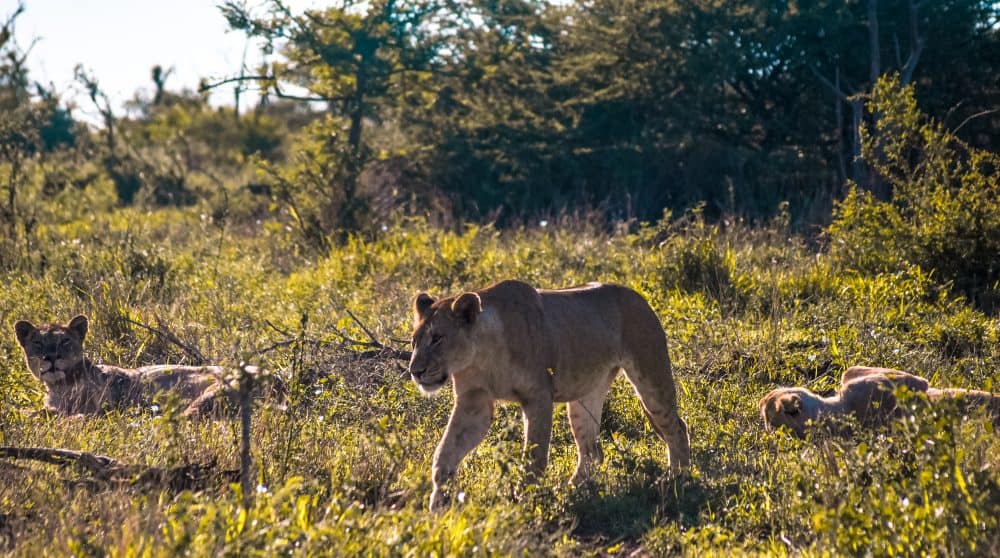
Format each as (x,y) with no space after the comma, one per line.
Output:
(362,59)
(27,127)
(943,212)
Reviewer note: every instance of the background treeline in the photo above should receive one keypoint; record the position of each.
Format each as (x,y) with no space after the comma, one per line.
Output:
(515,110)
(508,108)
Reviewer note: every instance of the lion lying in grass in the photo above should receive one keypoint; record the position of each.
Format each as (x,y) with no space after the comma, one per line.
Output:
(867,394)
(512,342)
(75,386)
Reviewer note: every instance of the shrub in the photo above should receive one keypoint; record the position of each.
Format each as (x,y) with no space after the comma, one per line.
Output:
(943,213)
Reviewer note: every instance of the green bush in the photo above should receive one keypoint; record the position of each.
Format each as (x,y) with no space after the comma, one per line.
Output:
(944,210)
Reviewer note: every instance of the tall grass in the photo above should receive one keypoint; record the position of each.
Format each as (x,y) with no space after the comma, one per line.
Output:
(344,470)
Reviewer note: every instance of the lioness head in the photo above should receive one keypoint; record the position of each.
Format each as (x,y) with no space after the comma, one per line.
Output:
(443,340)
(789,407)
(53,352)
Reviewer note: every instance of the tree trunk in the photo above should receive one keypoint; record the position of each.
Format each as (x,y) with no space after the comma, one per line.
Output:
(916,45)
(839,114)
(874,55)
(858,173)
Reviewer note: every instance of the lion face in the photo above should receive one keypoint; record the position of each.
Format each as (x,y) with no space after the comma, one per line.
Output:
(442,338)
(53,352)
(787,407)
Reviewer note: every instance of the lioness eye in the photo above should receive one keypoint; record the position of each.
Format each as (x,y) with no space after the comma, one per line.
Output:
(436,338)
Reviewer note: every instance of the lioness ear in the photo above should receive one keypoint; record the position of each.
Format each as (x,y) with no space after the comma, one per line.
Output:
(78,325)
(467,307)
(421,305)
(23,329)
(792,404)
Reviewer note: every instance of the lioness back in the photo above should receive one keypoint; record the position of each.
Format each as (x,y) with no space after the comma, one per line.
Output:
(595,329)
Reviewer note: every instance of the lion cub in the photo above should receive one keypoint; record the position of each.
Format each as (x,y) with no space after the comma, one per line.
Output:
(75,386)
(867,394)
(512,342)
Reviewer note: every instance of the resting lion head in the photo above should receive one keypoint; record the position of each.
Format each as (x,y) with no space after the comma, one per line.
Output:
(53,352)
(443,338)
(791,407)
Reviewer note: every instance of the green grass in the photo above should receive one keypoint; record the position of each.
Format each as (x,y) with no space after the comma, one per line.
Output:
(345,471)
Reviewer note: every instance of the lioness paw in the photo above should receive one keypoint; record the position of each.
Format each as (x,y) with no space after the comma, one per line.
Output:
(439,500)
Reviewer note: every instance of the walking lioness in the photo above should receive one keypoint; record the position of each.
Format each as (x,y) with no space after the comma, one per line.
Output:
(512,342)
(74,385)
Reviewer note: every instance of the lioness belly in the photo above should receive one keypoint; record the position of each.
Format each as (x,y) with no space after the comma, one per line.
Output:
(584,326)
(572,385)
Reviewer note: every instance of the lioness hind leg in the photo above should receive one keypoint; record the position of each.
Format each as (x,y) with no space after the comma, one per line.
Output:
(659,401)
(585,422)
(204,405)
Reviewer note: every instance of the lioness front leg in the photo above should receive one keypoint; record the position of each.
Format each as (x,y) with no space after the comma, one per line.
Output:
(470,421)
(537,434)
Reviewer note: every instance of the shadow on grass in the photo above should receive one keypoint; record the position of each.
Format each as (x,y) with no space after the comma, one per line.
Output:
(627,512)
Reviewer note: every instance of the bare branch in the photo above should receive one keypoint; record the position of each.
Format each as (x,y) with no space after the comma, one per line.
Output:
(277,89)
(318,343)
(973,117)
(363,328)
(168,335)
(830,85)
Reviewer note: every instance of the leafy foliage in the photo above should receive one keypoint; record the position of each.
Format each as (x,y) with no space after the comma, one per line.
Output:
(944,212)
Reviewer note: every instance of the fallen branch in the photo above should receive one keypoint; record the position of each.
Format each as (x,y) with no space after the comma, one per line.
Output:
(104,470)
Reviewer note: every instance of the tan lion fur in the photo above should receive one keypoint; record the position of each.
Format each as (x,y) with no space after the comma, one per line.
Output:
(74,385)
(867,394)
(512,342)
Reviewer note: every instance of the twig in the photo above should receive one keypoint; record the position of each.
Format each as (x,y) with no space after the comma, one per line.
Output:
(287,342)
(363,328)
(973,117)
(164,333)
(376,347)
(276,328)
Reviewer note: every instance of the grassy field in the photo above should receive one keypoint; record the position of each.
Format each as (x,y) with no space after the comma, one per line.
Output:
(345,469)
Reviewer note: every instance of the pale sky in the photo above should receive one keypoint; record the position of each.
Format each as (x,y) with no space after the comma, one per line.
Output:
(119,41)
